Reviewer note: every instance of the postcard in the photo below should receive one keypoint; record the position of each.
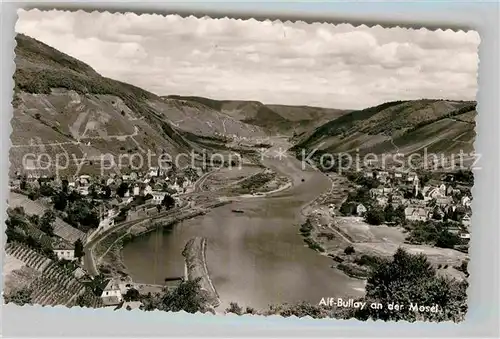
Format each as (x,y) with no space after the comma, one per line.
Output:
(171,163)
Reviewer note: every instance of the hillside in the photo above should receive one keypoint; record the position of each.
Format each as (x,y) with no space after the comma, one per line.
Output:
(62,105)
(274,119)
(440,126)
(203,120)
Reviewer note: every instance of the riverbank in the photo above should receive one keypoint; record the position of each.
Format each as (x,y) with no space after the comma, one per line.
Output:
(355,246)
(256,257)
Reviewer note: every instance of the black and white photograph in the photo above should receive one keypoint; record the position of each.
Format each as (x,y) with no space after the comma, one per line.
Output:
(244,166)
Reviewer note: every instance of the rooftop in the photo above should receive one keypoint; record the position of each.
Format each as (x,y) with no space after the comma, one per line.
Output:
(61,244)
(110,300)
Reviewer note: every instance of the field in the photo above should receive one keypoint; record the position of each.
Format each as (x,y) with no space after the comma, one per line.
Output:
(384,240)
(228,177)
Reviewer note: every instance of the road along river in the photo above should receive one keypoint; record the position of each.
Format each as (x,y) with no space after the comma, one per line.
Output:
(255,258)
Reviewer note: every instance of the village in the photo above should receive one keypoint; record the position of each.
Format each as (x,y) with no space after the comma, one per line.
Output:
(422,199)
(370,213)
(51,220)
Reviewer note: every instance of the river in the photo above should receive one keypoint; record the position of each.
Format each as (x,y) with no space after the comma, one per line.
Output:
(255,258)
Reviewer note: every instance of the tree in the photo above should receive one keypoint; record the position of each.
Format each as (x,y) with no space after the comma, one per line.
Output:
(186,297)
(411,279)
(34,194)
(14,223)
(234,308)
(375,216)
(85,299)
(132,295)
(20,297)
(424,179)
(168,201)
(349,250)
(60,201)
(65,185)
(399,214)
(74,196)
(436,213)
(46,190)
(122,189)
(389,213)
(107,192)
(79,251)
(23,185)
(347,208)
(34,219)
(46,222)
(447,239)
(82,212)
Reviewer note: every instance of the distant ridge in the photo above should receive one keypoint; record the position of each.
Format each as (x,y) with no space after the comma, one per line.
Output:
(440,126)
(273,118)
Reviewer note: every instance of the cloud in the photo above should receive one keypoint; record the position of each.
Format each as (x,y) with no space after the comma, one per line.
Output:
(289,63)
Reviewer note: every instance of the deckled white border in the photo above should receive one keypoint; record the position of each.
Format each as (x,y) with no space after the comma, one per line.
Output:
(483,314)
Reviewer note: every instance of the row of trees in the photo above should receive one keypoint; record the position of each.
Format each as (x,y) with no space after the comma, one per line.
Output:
(186,297)
(434,233)
(31,230)
(377,215)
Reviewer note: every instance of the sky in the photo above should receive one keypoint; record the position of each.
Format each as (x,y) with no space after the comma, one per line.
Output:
(337,66)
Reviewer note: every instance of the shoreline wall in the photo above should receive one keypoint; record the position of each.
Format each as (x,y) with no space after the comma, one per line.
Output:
(196,267)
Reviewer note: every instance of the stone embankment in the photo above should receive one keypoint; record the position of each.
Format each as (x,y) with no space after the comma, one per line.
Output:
(196,267)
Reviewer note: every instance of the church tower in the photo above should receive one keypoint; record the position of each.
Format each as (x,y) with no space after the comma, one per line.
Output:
(416,185)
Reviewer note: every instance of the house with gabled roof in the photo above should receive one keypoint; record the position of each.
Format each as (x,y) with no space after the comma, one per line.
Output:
(63,250)
(111,294)
(361,210)
(416,214)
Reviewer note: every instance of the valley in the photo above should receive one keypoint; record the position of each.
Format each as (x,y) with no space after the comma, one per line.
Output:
(88,216)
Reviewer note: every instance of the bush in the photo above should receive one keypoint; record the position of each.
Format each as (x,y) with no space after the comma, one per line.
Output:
(369,260)
(132,295)
(313,245)
(306,228)
(349,250)
(234,308)
(375,216)
(433,233)
(20,297)
(60,201)
(412,279)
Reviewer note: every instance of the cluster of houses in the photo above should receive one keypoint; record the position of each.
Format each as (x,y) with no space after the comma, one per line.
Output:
(155,183)
(149,182)
(423,202)
(140,183)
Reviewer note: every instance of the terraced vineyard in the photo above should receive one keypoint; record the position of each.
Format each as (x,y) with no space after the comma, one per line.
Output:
(55,286)
(31,258)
